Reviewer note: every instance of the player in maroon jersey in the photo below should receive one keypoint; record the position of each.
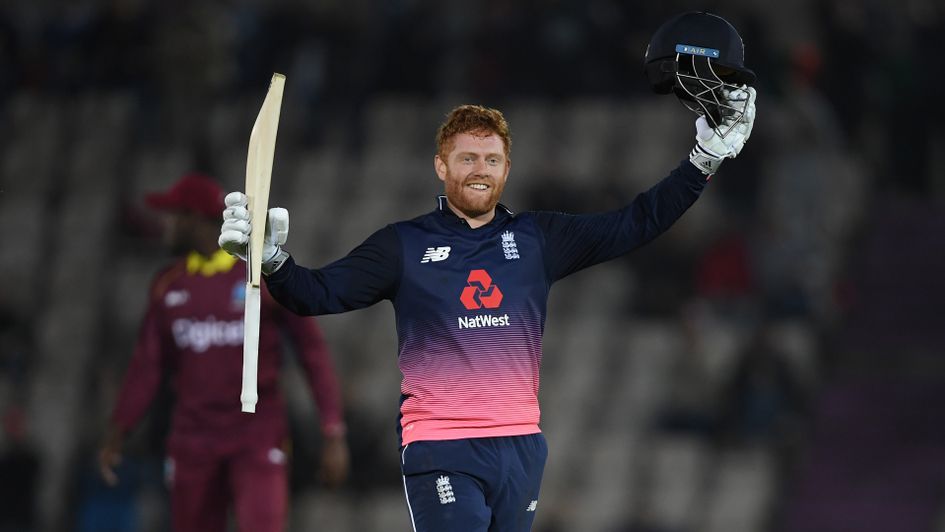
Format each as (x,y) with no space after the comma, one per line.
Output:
(219,457)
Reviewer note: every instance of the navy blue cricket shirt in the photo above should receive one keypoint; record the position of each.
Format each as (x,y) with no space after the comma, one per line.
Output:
(470,303)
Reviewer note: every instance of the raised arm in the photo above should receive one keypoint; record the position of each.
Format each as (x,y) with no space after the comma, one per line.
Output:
(573,242)
(366,275)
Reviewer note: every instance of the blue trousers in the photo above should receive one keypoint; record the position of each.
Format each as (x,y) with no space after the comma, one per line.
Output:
(474,485)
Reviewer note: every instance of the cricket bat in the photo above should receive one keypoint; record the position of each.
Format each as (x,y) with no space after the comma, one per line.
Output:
(262,149)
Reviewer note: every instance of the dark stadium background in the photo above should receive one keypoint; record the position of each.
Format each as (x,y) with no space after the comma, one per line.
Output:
(772,364)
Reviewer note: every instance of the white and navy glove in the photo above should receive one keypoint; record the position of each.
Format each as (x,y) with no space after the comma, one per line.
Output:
(237,226)
(714,145)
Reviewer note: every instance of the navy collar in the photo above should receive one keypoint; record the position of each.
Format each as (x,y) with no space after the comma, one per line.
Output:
(442,206)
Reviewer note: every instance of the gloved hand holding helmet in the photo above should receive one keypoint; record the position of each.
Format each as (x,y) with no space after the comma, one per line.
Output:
(700,58)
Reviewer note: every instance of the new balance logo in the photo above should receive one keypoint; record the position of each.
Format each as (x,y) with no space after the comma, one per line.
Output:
(445,490)
(435,254)
(532,506)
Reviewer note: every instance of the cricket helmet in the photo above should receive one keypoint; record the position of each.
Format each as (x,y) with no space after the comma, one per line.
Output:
(696,56)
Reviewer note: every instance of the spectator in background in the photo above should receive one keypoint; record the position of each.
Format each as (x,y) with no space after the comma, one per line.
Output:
(193,333)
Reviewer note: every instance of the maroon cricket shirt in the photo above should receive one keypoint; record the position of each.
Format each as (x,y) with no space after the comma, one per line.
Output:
(193,332)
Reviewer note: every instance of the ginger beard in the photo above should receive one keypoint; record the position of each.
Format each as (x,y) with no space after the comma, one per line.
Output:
(474,173)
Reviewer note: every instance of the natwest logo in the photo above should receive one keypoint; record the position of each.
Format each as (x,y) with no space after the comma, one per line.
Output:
(480,292)
(483,320)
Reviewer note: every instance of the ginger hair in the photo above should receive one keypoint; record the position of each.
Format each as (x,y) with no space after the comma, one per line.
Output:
(473,119)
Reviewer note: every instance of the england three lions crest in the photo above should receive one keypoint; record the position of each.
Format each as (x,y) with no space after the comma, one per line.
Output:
(509,248)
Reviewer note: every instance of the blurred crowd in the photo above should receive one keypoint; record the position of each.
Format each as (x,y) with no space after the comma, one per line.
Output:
(863,70)
(796,237)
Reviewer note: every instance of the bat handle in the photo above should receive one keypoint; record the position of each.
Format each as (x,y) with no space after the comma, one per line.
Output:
(249,394)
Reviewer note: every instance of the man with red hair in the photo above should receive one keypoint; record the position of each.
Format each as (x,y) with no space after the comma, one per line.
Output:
(469,283)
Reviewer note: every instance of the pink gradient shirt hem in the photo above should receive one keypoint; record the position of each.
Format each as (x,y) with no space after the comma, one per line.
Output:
(434,430)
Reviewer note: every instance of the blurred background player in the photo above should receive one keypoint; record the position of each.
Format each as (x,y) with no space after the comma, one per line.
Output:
(219,457)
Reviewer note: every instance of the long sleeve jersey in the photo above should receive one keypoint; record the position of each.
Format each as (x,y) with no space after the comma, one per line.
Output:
(470,303)
(192,332)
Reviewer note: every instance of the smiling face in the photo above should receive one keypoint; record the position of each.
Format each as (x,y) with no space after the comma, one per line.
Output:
(474,174)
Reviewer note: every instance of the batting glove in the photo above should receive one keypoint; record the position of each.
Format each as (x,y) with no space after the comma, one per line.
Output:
(714,145)
(237,226)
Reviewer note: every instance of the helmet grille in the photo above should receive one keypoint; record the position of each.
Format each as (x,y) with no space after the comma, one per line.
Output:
(700,83)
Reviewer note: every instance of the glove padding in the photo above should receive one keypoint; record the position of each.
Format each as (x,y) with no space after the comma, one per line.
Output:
(237,226)
(726,142)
